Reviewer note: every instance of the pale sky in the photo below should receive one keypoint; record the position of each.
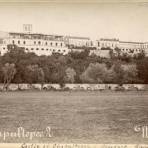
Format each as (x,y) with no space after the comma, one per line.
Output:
(126,21)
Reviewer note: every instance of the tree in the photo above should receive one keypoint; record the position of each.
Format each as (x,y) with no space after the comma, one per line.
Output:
(59,75)
(117,52)
(70,75)
(97,73)
(142,67)
(1,71)
(130,73)
(126,57)
(9,72)
(140,55)
(111,54)
(34,74)
(21,59)
(40,76)
(80,55)
(119,73)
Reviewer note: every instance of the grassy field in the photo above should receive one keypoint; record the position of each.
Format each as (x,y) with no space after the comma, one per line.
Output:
(76,117)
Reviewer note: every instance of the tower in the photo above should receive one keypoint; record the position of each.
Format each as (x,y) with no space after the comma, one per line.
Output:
(27,28)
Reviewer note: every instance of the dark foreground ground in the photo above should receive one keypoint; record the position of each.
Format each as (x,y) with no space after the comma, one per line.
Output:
(75,117)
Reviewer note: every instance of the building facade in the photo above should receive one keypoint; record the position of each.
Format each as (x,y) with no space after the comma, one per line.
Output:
(78,44)
(77,41)
(105,43)
(43,44)
(40,44)
(130,48)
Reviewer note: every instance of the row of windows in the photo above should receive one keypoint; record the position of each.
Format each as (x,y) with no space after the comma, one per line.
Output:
(53,50)
(64,50)
(112,45)
(106,45)
(130,49)
(145,46)
(39,43)
(61,44)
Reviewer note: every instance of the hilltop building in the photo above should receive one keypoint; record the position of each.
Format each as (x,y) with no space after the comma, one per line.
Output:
(40,44)
(77,44)
(44,44)
(131,48)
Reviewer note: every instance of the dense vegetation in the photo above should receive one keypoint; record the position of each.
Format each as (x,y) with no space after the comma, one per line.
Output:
(17,66)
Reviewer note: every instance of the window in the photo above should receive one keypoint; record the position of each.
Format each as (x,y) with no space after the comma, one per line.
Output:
(31,48)
(61,44)
(13,42)
(24,42)
(51,43)
(59,50)
(98,44)
(56,44)
(34,42)
(47,49)
(4,48)
(26,48)
(18,42)
(42,48)
(37,48)
(39,42)
(46,43)
(53,50)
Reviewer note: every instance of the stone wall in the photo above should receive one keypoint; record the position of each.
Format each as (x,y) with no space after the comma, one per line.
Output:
(90,87)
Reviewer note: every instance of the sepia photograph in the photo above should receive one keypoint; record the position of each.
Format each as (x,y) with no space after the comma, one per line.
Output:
(73,72)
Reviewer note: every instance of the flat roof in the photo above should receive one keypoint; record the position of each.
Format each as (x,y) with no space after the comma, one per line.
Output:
(77,37)
(130,42)
(40,34)
(106,39)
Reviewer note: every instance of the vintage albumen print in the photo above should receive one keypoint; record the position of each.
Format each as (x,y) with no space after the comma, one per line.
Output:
(73,72)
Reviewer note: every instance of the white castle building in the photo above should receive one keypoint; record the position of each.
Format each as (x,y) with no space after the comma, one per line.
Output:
(40,44)
(78,44)
(130,48)
(43,44)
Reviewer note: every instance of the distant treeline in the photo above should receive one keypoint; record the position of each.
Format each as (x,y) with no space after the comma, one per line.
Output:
(17,66)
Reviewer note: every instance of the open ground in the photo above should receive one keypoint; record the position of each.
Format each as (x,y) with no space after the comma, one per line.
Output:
(75,117)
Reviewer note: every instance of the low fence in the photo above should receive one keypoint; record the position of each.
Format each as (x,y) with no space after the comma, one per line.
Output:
(91,87)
